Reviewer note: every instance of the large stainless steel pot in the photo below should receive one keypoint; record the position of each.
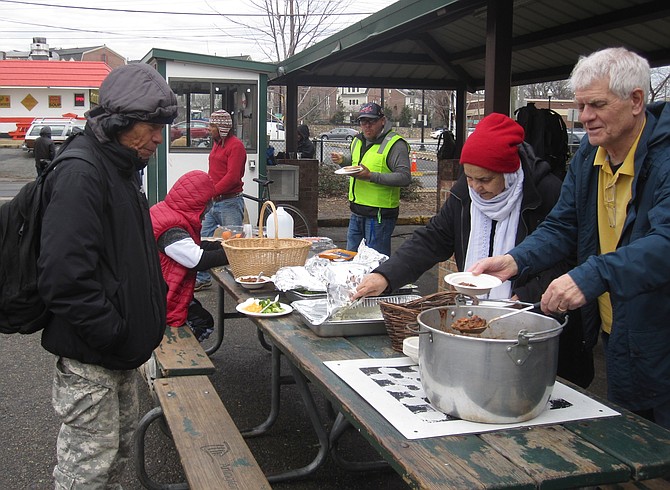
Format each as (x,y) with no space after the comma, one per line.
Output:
(503,375)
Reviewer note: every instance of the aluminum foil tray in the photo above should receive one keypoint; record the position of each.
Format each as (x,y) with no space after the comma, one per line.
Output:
(363,319)
(297,295)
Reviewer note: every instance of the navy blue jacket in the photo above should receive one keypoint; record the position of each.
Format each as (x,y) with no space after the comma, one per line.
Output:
(637,274)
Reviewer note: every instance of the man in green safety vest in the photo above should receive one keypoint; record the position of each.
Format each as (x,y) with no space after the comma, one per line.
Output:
(374,191)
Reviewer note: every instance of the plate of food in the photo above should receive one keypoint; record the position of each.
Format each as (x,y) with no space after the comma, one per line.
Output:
(252,282)
(351,169)
(264,307)
(468,283)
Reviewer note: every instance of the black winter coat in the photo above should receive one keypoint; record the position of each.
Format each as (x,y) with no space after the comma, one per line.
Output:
(99,272)
(448,232)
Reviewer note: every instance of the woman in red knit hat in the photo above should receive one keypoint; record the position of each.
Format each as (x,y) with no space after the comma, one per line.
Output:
(505,192)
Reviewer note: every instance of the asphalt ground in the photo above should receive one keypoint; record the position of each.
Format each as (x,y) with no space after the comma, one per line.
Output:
(29,428)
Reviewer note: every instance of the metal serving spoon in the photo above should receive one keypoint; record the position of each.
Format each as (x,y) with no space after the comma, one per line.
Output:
(500,317)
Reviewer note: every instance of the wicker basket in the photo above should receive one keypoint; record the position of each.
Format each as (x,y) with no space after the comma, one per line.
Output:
(398,317)
(250,256)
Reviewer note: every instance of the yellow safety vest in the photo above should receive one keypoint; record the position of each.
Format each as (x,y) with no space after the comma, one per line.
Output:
(368,193)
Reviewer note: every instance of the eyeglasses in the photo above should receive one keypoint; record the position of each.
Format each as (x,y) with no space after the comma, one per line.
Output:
(367,121)
(610,203)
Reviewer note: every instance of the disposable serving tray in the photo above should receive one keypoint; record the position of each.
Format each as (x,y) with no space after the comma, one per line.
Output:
(364,319)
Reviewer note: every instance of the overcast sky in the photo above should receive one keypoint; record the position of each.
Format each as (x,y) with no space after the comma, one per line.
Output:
(195,26)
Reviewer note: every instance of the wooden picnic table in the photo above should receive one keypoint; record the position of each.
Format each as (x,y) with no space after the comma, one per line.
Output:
(573,454)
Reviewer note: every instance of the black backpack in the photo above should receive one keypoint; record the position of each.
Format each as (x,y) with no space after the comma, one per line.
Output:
(547,133)
(21,307)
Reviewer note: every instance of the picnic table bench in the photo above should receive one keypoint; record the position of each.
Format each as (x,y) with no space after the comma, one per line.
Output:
(211,449)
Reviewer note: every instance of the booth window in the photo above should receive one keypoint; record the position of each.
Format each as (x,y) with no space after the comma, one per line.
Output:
(197,99)
(79,100)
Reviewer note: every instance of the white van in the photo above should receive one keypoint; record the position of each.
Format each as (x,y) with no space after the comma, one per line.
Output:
(275,131)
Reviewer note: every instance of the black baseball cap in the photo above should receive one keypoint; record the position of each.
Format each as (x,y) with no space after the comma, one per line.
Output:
(370,110)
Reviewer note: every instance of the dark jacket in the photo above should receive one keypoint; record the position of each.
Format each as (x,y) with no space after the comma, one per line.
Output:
(45,149)
(99,272)
(448,233)
(305,145)
(637,274)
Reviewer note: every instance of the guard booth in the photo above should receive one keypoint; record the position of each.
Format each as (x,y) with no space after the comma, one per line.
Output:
(205,84)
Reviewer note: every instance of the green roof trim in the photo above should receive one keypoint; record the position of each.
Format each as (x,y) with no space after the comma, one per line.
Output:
(166,54)
(386,20)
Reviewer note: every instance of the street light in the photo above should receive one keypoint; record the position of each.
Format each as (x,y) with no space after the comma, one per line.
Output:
(549,94)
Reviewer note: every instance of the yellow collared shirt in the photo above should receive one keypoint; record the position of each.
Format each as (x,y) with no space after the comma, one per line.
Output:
(614,193)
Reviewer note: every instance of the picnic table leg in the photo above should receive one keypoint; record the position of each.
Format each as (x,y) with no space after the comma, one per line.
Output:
(340,426)
(220,327)
(140,467)
(276,381)
(322,434)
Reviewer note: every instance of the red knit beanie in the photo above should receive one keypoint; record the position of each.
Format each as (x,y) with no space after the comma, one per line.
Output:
(494,144)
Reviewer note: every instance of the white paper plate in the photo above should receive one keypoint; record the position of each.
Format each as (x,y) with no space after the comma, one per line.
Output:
(348,170)
(468,283)
(287,309)
(253,285)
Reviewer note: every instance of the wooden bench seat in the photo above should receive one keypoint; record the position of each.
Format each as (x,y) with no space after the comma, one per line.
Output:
(180,354)
(212,450)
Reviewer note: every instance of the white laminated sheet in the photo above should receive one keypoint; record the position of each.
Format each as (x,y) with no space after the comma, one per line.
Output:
(393,388)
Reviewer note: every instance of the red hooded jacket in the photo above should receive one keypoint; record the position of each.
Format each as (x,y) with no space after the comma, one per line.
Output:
(182,208)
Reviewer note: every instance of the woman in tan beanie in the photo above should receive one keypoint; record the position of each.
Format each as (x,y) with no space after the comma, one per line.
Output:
(505,192)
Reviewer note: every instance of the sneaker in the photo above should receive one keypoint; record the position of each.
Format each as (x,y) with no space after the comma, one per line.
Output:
(202,334)
(200,285)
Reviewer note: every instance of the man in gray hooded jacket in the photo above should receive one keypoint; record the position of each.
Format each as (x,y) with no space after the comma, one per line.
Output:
(100,276)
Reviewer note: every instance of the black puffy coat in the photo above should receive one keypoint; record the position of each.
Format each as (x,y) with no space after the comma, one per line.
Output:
(99,272)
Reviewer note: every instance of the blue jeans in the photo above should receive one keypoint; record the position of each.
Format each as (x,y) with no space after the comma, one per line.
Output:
(227,212)
(377,235)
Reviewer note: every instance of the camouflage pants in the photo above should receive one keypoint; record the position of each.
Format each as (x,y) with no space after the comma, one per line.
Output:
(98,409)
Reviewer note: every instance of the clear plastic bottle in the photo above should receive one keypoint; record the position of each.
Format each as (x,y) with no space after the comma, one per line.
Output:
(284,224)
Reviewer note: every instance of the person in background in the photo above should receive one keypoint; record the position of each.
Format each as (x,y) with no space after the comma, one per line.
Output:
(176,224)
(227,161)
(305,146)
(374,192)
(613,214)
(100,277)
(44,151)
(504,192)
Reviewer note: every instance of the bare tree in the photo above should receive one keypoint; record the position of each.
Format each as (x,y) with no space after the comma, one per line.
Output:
(290,26)
(660,79)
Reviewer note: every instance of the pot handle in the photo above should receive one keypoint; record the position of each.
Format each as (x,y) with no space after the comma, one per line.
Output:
(415,328)
(525,336)
(520,351)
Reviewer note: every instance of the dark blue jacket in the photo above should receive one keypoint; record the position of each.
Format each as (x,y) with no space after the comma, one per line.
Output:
(637,274)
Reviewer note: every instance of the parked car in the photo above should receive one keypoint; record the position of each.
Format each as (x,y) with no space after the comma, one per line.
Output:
(61,128)
(199,130)
(435,133)
(347,134)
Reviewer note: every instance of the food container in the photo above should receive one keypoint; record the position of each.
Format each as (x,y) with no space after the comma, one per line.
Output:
(363,319)
(253,282)
(503,375)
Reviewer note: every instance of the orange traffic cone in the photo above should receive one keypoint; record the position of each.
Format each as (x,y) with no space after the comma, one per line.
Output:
(413,168)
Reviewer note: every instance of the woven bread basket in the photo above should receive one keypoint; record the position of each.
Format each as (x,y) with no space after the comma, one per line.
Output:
(398,317)
(251,256)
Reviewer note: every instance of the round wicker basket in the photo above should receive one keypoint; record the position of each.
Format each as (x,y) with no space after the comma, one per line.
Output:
(251,256)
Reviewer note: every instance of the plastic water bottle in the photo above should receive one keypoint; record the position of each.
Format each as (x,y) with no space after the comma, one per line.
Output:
(284,223)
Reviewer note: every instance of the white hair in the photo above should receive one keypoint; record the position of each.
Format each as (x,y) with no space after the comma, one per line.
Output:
(625,70)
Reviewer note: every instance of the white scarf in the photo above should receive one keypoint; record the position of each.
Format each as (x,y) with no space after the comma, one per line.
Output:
(505,208)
